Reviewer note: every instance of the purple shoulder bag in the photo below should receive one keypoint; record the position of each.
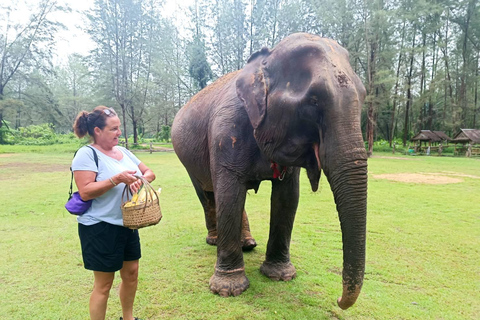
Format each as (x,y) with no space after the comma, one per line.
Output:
(75,205)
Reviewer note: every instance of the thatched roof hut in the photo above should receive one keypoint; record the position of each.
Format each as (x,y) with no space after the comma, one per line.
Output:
(442,135)
(468,138)
(431,137)
(471,136)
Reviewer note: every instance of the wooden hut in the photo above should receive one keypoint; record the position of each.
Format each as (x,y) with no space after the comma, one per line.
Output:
(469,141)
(431,141)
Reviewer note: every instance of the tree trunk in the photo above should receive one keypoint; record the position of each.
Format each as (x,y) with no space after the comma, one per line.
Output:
(251,27)
(475,109)
(394,109)
(409,90)
(371,69)
(463,82)
(124,121)
(448,82)
(431,89)
(423,76)
(1,111)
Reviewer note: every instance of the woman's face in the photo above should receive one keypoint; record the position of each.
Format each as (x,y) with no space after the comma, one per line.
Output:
(109,135)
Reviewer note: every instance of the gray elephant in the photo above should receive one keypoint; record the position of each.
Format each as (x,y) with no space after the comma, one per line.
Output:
(295,106)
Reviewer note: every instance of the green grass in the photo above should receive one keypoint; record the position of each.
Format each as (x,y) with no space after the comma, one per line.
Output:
(423,247)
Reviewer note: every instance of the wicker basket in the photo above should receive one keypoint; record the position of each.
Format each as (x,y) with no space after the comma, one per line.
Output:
(144,214)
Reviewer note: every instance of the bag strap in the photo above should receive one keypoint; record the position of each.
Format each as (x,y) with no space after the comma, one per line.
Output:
(95,157)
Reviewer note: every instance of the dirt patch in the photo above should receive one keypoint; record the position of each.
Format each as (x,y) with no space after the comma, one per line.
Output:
(155,149)
(460,175)
(397,158)
(39,167)
(426,178)
(6,155)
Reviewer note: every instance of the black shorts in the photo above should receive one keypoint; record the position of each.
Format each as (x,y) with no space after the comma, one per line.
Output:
(105,246)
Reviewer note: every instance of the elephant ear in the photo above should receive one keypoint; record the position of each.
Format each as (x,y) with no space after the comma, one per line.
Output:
(252,88)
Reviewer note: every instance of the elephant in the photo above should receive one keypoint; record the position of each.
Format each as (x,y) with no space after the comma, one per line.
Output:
(295,106)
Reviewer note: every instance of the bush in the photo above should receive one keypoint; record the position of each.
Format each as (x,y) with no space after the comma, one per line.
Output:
(164,134)
(39,135)
(6,136)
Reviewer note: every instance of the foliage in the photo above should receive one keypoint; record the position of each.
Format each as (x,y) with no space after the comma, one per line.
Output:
(164,135)
(6,136)
(26,45)
(40,135)
(417,59)
(422,247)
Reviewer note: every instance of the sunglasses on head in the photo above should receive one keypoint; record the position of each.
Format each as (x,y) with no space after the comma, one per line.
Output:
(109,112)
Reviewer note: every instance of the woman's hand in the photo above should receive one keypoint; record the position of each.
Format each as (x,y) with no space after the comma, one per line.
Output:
(128,177)
(135,186)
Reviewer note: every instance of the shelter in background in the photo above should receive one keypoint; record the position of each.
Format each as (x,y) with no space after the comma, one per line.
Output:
(469,139)
(432,141)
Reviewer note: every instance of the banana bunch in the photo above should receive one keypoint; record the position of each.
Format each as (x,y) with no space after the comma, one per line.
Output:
(141,196)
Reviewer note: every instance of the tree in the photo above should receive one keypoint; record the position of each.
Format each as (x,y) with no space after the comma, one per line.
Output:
(229,35)
(73,86)
(199,68)
(26,45)
(121,30)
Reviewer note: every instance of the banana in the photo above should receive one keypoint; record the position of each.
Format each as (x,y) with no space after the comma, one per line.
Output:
(129,204)
(142,195)
(135,197)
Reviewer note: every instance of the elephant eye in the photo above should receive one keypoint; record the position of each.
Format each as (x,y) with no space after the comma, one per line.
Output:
(309,112)
(314,101)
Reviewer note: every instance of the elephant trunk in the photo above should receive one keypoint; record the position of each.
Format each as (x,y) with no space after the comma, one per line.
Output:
(347,175)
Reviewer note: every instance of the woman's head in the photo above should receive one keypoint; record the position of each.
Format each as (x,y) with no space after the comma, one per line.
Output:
(86,122)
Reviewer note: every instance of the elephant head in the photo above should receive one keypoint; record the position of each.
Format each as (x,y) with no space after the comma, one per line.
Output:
(304,101)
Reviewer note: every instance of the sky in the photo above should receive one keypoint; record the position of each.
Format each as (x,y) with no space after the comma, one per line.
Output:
(74,39)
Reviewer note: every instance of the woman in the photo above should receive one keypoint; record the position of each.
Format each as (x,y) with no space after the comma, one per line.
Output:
(107,246)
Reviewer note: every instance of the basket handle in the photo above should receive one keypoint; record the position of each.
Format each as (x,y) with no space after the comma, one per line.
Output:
(146,185)
(149,188)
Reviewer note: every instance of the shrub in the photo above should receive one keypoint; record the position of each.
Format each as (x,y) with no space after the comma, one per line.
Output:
(6,136)
(164,134)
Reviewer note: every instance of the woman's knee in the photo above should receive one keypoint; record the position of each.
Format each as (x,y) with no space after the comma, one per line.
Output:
(129,272)
(103,282)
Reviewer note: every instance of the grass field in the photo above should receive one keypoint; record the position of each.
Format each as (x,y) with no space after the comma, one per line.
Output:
(423,246)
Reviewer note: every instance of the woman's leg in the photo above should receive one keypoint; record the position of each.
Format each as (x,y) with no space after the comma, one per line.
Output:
(99,297)
(128,287)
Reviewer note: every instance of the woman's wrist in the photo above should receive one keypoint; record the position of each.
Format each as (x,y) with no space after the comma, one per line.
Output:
(149,175)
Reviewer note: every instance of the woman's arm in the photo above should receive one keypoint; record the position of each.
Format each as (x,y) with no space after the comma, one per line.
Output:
(89,189)
(146,172)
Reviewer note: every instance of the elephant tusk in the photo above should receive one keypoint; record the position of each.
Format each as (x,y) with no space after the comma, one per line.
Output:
(316,149)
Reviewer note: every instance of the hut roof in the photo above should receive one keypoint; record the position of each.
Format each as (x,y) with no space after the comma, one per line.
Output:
(467,135)
(442,135)
(428,135)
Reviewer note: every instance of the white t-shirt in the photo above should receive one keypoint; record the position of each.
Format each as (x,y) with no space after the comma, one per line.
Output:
(107,206)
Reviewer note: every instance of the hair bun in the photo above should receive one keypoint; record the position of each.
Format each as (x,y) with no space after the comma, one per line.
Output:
(80,127)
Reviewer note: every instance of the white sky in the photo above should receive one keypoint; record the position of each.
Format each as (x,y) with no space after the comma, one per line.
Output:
(74,40)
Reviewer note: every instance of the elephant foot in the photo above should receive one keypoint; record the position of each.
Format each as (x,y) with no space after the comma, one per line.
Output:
(279,271)
(229,283)
(212,240)
(249,244)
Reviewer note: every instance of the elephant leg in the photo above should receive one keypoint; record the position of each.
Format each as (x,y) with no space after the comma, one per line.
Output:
(284,202)
(229,278)
(207,199)
(248,242)
(210,218)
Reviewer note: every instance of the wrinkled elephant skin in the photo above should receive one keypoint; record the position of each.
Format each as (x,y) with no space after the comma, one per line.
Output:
(297,105)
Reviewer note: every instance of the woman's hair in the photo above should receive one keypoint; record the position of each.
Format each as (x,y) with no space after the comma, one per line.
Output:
(86,122)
